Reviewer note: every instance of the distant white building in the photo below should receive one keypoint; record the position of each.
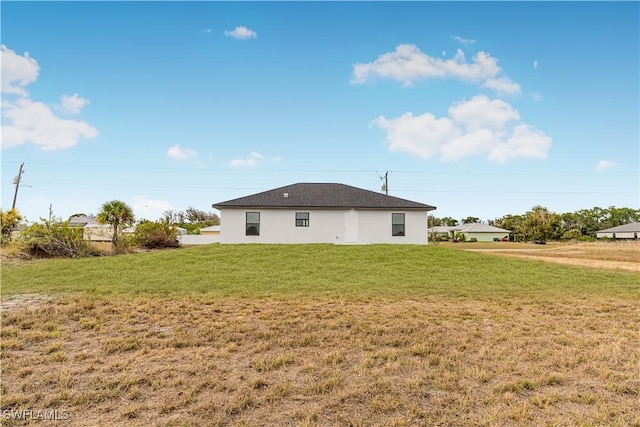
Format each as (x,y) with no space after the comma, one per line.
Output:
(322,213)
(626,231)
(212,230)
(480,232)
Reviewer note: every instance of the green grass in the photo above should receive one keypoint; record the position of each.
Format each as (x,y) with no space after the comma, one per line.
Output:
(314,270)
(321,335)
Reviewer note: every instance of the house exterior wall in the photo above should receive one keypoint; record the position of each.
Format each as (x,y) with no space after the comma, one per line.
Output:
(619,235)
(102,233)
(325,226)
(97,233)
(210,233)
(484,237)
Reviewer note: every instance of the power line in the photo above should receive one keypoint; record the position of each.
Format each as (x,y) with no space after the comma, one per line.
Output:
(397,190)
(332,171)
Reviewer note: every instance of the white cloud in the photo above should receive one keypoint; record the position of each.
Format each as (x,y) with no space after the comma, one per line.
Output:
(206,30)
(536,96)
(151,209)
(535,64)
(502,85)
(481,112)
(72,104)
(251,160)
(525,141)
(605,164)
(480,126)
(177,152)
(407,64)
(463,40)
(241,33)
(29,121)
(17,71)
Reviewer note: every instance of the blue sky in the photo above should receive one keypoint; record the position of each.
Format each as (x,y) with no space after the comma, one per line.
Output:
(481,109)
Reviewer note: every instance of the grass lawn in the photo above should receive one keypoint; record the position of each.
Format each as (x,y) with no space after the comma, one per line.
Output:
(320,335)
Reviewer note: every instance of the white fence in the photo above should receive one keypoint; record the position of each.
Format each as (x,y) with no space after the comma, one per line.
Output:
(198,239)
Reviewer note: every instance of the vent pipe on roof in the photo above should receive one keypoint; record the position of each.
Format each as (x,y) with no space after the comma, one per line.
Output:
(286,195)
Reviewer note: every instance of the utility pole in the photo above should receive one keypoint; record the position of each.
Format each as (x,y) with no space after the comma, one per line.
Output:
(385,186)
(16,181)
(50,211)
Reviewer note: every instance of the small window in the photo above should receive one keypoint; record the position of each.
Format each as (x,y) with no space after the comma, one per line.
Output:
(302,219)
(397,224)
(253,223)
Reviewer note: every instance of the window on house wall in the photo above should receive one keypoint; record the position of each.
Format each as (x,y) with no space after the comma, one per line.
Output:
(253,223)
(302,219)
(397,224)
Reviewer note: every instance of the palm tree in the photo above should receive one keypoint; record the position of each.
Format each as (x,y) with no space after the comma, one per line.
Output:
(117,214)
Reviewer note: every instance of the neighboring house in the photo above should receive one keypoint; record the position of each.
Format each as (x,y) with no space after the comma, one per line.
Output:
(626,231)
(212,230)
(480,232)
(322,213)
(94,231)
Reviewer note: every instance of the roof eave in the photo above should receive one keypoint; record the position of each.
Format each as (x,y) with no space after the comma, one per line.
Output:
(417,208)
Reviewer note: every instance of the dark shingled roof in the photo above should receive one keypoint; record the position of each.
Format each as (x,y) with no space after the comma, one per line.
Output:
(322,196)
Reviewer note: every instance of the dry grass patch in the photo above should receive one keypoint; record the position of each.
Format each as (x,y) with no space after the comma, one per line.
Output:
(325,361)
(624,256)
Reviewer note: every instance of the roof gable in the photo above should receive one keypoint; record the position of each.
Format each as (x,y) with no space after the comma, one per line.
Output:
(82,221)
(631,227)
(322,195)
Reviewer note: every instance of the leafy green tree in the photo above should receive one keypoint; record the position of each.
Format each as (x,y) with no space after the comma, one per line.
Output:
(194,215)
(471,220)
(9,220)
(117,214)
(541,225)
(448,221)
(513,223)
(620,216)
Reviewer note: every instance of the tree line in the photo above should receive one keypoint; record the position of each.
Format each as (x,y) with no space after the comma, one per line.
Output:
(541,224)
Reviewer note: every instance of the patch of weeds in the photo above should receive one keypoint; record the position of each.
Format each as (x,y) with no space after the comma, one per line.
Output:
(120,344)
(326,384)
(265,364)
(516,387)
(240,402)
(278,392)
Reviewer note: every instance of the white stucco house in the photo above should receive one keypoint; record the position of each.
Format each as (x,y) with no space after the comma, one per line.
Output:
(480,232)
(626,231)
(322,213)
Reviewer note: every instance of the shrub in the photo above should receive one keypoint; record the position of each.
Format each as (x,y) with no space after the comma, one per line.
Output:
(573,234)
(8,221)
(154,235)
(55,239)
